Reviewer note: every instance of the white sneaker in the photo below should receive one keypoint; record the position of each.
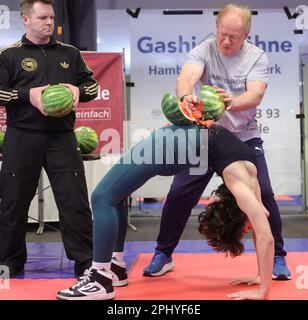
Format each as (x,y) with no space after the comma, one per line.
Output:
(93,285)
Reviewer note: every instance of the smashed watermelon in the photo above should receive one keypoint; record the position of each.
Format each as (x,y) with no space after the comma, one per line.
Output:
(213,106)
(209,109)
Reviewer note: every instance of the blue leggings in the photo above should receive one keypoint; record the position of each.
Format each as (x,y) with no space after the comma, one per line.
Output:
(109,215)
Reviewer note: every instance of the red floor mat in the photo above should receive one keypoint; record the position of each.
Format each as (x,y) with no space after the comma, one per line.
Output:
(34,289)
(197,276)
(206,277)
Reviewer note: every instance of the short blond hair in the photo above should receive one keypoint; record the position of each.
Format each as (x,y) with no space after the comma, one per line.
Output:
(244,10)
(27,5)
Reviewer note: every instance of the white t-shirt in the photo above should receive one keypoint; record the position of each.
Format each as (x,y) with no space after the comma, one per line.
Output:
(232,74)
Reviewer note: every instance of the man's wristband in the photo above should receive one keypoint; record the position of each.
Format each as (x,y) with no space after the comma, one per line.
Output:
(182,98)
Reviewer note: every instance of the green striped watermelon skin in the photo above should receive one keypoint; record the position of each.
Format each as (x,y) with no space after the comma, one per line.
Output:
(57,100)
(213,105)
(172,111)
(87,139)
(2,134)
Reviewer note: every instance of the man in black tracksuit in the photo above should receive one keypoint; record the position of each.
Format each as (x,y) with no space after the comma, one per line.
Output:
(34,140)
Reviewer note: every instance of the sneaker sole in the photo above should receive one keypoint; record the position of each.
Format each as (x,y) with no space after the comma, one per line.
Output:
(102,296)
(166,268)
(281,277)
(120,283)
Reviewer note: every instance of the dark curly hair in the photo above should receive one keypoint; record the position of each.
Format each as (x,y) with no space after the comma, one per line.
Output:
(222,223)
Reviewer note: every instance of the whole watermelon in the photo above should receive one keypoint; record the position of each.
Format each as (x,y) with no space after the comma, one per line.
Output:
(172,110)
(57,100)
(213,105)
(2,134)
(87,139)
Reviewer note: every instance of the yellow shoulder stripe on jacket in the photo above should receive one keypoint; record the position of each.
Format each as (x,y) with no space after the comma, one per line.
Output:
(14,45)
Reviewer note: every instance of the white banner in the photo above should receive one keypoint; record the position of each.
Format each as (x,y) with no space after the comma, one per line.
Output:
(159,45)
(280,129)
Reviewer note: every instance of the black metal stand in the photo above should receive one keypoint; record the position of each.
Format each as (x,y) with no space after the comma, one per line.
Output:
(40,198)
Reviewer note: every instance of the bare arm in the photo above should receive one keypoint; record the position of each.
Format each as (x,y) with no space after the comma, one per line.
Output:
(249,204)
(189,76)
(250,280)
(248,100)
(254,238)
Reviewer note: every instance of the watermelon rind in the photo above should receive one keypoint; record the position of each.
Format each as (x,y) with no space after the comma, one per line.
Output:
(172,111)
(213,105)
(87,139)
(57,100)
(2,134)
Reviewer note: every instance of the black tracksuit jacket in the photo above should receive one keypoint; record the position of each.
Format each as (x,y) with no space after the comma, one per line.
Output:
(26,65)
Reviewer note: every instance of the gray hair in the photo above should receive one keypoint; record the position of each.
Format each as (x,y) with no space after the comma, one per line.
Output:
(243,10)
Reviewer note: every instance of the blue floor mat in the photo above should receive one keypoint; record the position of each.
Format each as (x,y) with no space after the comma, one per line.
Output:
(48,260)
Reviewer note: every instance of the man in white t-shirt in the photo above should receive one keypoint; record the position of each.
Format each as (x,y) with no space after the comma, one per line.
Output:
(239,71)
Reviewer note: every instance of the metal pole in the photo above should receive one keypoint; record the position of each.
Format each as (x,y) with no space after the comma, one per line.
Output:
(40,197)
(126,133)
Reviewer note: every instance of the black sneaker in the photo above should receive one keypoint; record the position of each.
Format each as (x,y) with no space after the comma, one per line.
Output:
(119,275)
(93,285)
